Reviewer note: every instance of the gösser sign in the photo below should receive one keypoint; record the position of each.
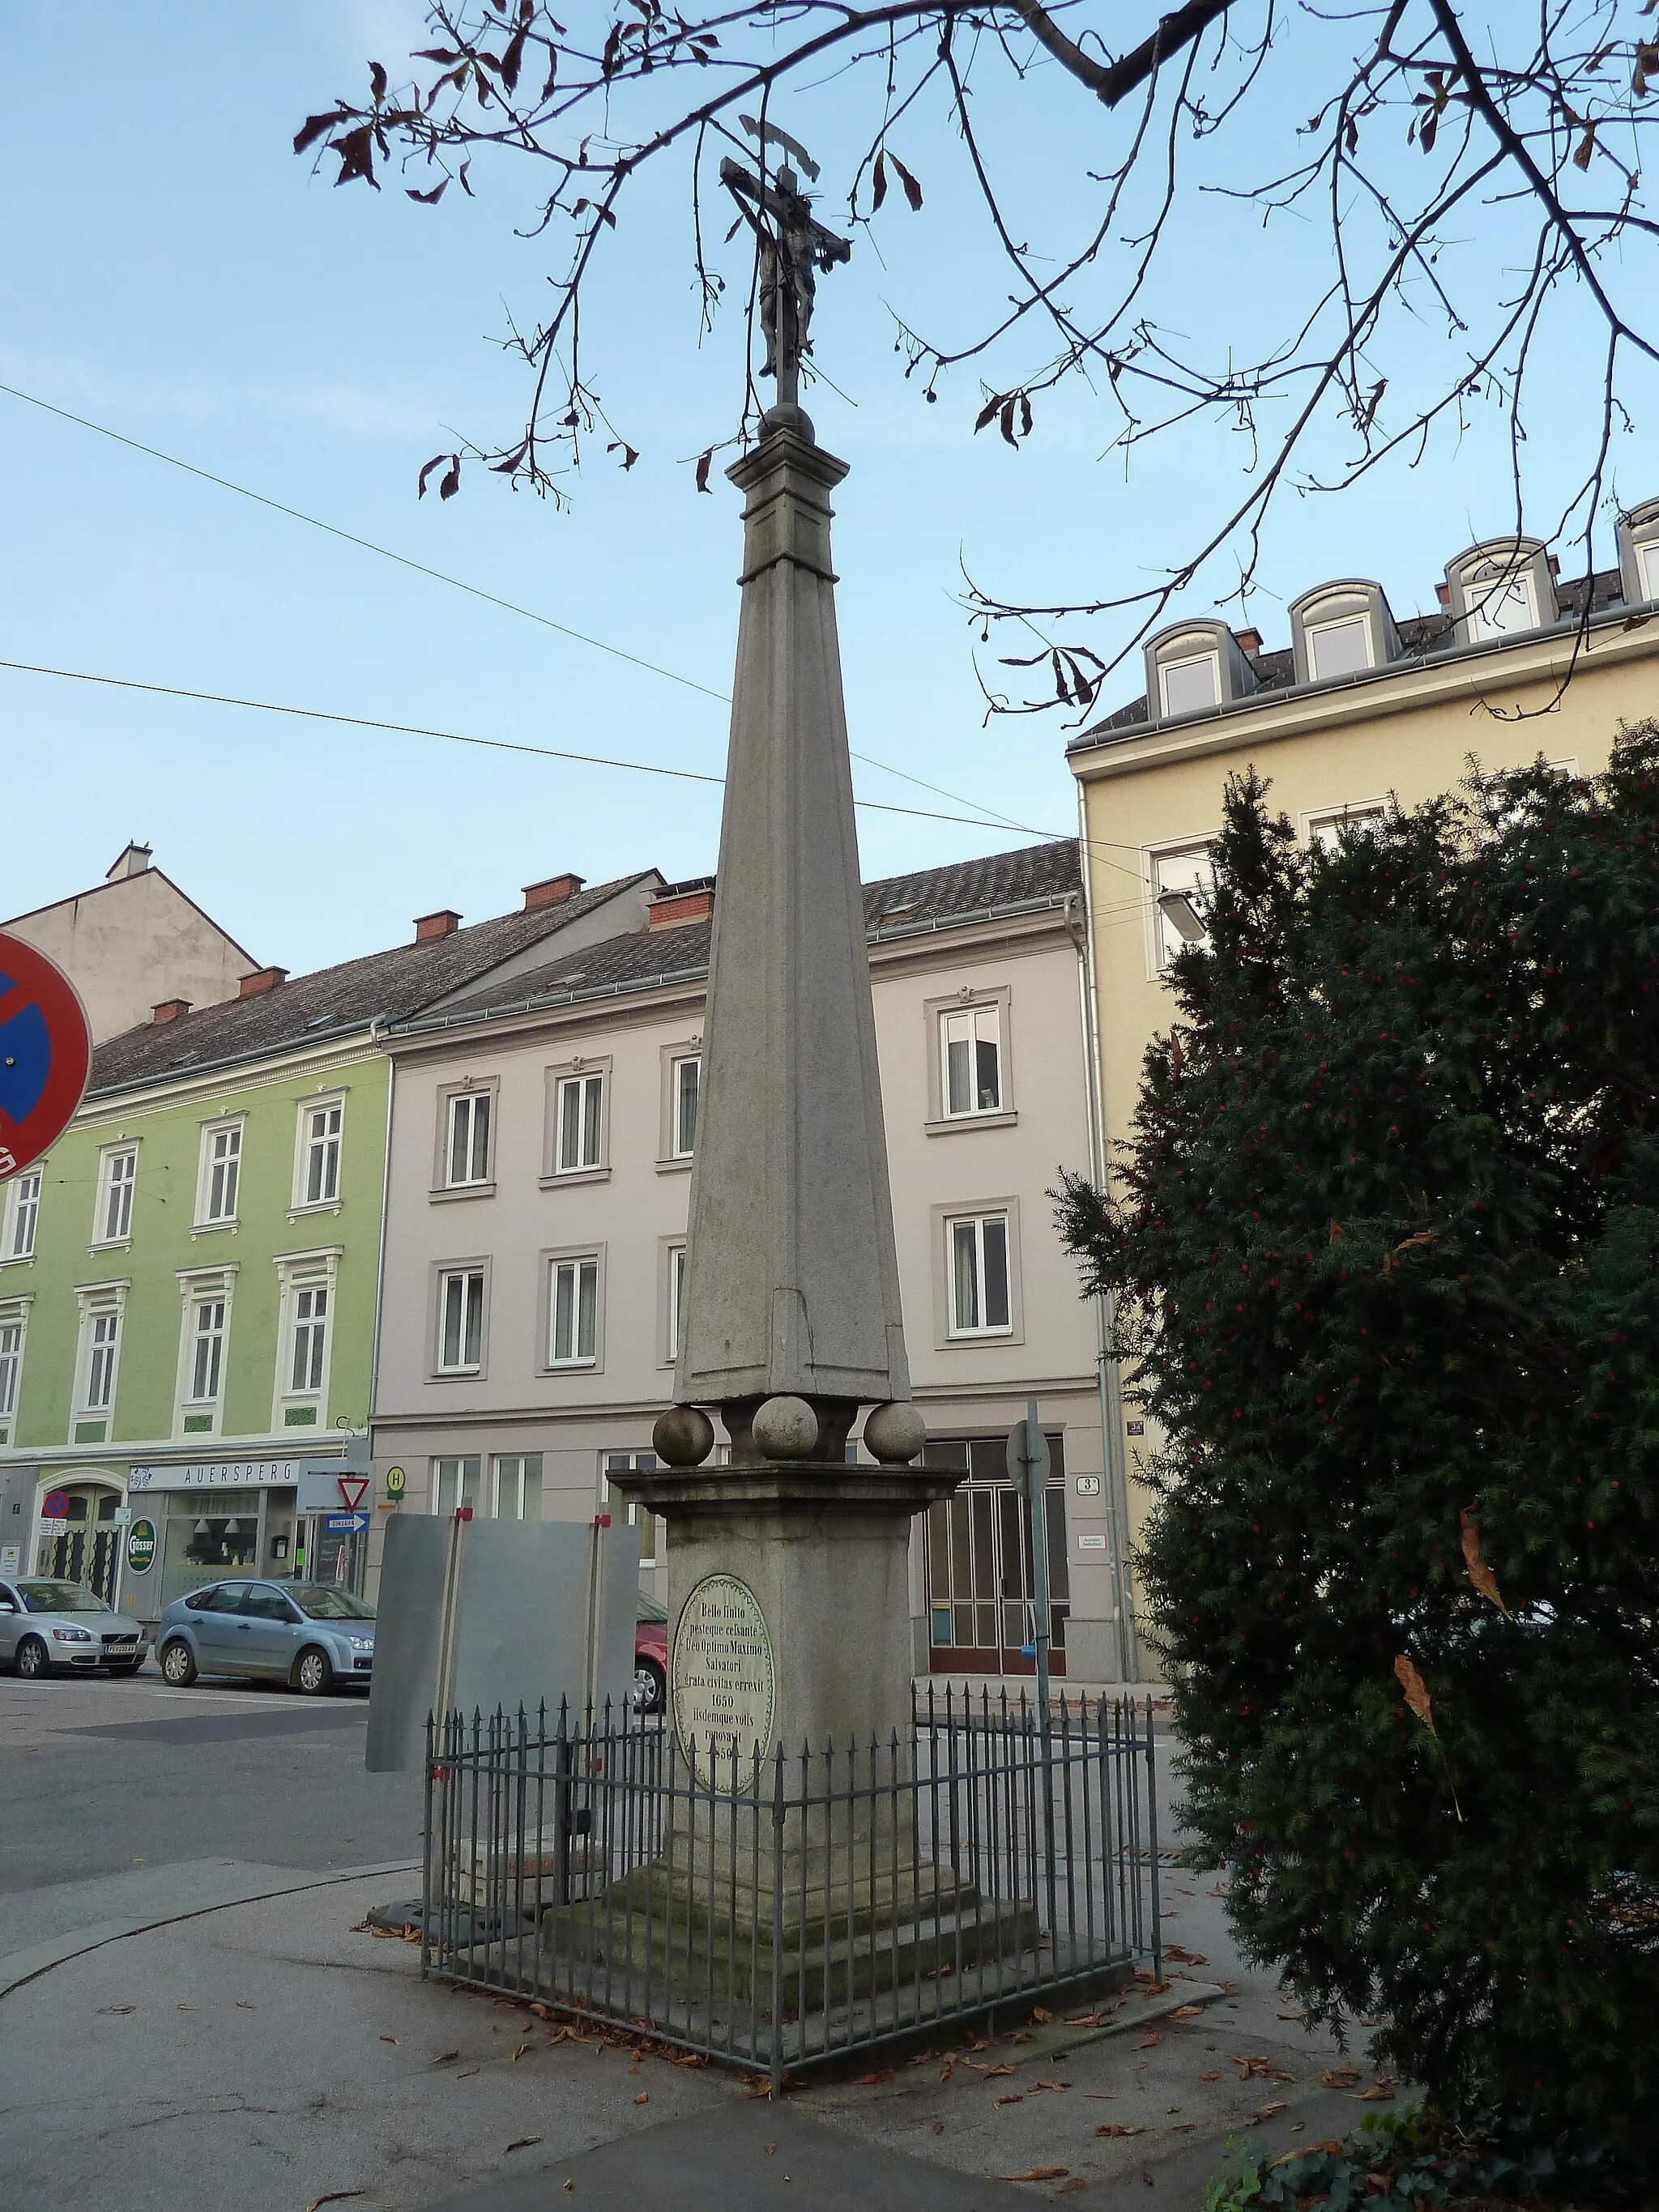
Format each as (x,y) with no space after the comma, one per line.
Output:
(724,1683)
(141,1547)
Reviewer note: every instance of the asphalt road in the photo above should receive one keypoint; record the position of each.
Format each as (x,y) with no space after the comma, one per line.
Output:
(99,1777)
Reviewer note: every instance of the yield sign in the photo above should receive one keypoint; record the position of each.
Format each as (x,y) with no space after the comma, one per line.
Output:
(353,1488)
(45,1047)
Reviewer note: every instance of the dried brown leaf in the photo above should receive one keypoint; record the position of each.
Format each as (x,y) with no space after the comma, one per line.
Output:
(1038,2173)
(1480,1573)
(1417,1695)
(525,2142)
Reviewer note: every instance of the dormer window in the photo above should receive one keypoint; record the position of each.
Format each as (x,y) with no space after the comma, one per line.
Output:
(1189,686)
(1341,629)
(1502,589)
(1193,668)
(1639,553)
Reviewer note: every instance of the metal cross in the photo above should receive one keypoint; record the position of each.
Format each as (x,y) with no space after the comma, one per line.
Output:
(792,247)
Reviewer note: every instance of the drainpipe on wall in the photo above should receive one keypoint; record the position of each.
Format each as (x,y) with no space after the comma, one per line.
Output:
(376,1031)
(1108,1378)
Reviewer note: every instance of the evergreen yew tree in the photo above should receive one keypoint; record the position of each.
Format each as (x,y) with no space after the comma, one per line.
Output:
(1385,1255)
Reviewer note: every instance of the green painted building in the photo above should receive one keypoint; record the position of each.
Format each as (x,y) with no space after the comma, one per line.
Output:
(189,1282)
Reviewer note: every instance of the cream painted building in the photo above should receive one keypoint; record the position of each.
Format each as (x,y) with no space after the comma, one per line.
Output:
(1359,715)
(539,1166)
(135,942)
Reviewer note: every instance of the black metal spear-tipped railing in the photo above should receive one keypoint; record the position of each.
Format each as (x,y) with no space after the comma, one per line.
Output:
(773,1910)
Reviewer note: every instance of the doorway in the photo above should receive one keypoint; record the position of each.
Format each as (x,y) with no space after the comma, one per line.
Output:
(83,1546)
(981,1613)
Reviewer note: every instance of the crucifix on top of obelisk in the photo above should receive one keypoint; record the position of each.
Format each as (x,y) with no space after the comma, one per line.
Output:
(793,247)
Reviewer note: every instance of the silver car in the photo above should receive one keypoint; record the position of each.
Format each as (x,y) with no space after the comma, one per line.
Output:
(46,1625)
(313,1636)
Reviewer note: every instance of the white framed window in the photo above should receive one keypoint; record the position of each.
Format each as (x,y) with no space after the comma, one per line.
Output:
(221,1174)
(573,1333)
(1501,603)
(1188,686)
(208,1316)
(100,1349)
(970,1061)
(515,1487)
(676,1261)
(1183,881)
(685,1087)
(308,1339)
(628,1511)
(1339,647)
(118,1173)
(459,1349)
(11,1365)
(1647,569)
(578,1123)
(455,1485)
(1327,829)
(22,1214)
(316,1174)
(466,1142)
(977,1274)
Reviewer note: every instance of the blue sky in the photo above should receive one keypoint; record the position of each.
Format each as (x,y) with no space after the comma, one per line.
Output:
(169,269)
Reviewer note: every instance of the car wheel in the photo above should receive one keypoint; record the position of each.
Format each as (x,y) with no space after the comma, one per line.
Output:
(650,1686)
(178,1665)
(31,1661)
(312,1674)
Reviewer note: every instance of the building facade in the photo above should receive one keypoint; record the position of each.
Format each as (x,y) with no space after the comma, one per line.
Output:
(542,1137)
(1357,715)
(189,1280)
(132,939)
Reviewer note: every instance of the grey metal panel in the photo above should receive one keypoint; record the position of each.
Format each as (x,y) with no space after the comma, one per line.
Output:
(520,1630)
(406,1638)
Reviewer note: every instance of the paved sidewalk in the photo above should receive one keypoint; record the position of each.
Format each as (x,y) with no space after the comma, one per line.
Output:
(268,2053)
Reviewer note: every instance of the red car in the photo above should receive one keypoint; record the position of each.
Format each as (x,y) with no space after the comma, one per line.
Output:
(650,1656)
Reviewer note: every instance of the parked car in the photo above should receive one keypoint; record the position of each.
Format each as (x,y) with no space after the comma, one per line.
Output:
(312,1636)
(651,1656)
(47,1624)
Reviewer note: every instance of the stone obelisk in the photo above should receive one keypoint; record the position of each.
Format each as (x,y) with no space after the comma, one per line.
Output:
(789,1597)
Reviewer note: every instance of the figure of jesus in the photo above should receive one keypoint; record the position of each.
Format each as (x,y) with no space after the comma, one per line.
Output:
(793,247)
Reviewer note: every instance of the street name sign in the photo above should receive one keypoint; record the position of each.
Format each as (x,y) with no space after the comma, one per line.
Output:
(45,1050)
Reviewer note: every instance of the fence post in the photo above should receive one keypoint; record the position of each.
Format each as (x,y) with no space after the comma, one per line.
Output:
(426,1854)
(777,1923)
(1151,1838)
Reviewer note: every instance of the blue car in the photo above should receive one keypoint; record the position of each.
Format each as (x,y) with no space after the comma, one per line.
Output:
(315,1636)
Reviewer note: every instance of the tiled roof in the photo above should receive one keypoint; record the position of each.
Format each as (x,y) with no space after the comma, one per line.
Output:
(308,1009)
(959,892)
(1420,637)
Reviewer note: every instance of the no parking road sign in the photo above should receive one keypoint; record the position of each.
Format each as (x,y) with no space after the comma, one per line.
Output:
(46,1047)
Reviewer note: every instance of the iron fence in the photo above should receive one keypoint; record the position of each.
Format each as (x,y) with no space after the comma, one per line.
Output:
(773,1911)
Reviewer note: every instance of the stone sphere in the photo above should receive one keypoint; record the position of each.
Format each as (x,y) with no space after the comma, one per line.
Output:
(895,1433)
(683,1436)
(786,1428)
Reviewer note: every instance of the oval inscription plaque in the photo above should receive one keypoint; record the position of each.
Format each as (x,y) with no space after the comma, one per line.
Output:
(724,1680)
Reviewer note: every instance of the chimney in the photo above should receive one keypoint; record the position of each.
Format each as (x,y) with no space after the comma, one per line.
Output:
(552,890)
(429,927)
(1443,592)
(132,862)
(1249,639)
(261,981)
(169,1011)
(675,903)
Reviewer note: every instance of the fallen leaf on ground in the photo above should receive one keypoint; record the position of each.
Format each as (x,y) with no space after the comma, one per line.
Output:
(185,2007)
(524,2143)
(467,2072)
(519,2052)
(870,2080)
(1188,2012)
(1212,2077)
(1038,2173)
(392,2038)
(1265,2112)
(1147,2041)
(1083,2020)
(1380,2092)
(444,2058)
(1184,2128)
(1038,2013)
(335,2197)
(1067,2187)
(1056,2086)
(922,2058)
(991,2073)
(1106,2096)
(242,2005)
(1297,2126)
(1117,2128)
(1341,2077)
(1330,2146)
(947,2070)
(938,2127)
(134,2008)
(569,2188)
(1150,2182)
(644,2097)
(1187,1958)
(1009,2100)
